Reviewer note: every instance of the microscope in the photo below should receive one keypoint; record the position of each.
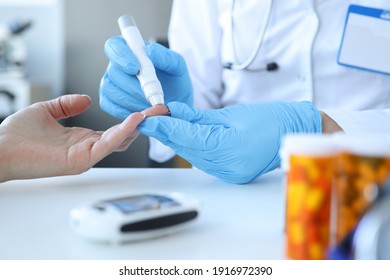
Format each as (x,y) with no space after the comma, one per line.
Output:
(14,86)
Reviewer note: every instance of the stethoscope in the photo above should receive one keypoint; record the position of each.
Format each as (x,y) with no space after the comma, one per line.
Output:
(272,66)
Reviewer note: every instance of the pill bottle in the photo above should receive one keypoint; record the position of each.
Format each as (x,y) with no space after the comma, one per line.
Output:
(362,168)
(309,162)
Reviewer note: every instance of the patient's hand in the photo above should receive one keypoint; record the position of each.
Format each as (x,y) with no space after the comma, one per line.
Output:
(33,144)
(158,110)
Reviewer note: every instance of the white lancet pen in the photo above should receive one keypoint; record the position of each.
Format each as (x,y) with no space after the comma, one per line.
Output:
(147,77)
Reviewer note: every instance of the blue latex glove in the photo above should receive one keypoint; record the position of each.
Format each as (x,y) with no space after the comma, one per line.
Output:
(236,143)
(120,91)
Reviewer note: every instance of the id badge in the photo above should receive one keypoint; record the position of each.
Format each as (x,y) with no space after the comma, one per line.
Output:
(366,40)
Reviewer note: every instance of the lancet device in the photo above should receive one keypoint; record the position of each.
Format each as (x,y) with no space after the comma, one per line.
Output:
(147,77)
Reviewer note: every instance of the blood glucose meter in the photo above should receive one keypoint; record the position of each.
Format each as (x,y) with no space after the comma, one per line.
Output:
(134,217)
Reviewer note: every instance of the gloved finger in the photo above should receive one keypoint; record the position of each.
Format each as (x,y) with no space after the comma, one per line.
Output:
(134,100)
(166,59)
(207,117)
(125,82)
(183,133)
(208,163)
(194,156)
(117,102)
(121,55)
(197,160)
(206,147)
(114,110)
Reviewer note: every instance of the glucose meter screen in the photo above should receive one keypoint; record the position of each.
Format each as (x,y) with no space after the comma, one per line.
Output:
(133,204)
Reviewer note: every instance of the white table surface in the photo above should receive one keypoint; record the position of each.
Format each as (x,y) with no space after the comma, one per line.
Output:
(236,222)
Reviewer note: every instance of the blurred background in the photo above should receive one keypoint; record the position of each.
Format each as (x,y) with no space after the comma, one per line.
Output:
(54,47)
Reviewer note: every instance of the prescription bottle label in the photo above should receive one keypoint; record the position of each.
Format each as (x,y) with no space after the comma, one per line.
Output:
(357,179)
(308,206)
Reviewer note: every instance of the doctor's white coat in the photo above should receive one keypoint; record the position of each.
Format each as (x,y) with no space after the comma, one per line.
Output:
(302,36)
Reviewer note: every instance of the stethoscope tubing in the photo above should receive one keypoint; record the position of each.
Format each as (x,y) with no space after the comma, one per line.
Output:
(245,65)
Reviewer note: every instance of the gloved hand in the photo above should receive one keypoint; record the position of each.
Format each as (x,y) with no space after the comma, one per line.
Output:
(120,91)
(236,143)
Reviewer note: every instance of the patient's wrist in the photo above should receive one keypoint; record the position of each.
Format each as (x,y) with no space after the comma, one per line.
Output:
(328,124)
